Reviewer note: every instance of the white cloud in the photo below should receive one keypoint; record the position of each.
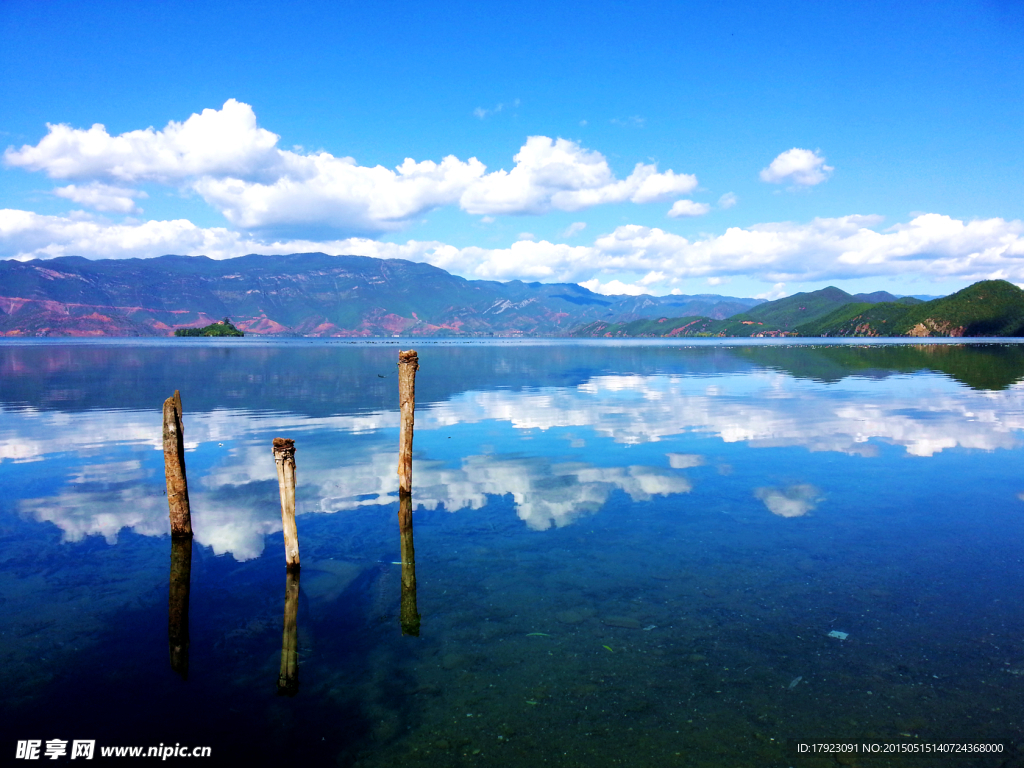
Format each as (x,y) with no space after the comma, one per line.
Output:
(728,200)
(482,113)
(526,236)
(573,229)
(102,197)
(850,246)
(688,208)
(652,278)
(930,245)
(614,288)
(633,121)
(656,186)
(224,142)
(26,235)
(558,174)
(777,292)
(324,190)
(237,167)
(797,166)
(527,260)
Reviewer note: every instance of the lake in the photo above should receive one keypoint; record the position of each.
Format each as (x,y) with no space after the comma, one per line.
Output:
(626,553)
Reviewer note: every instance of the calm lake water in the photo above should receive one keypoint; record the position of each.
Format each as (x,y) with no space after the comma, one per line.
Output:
(629,554)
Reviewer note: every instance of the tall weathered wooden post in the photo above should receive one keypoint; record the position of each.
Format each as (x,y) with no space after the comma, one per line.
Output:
(174,467)
(409,614)
(177,608)
(284,457)
(288,679)
(408,364)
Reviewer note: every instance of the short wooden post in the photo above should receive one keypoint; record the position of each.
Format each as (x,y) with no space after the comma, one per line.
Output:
(408,364)
(288,679)
(284,456)
(177,608)
(409,613)
(174,467)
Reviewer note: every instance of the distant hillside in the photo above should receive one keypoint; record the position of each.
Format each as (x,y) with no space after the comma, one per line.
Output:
(772,318)
(659,328)
(310,294)
(988,308)
(848,320)
(798,308)
(670,327)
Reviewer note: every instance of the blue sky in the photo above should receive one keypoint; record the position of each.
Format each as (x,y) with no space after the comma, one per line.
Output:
(736,148)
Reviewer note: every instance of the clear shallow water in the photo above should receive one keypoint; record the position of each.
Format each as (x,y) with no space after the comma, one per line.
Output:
(625,555)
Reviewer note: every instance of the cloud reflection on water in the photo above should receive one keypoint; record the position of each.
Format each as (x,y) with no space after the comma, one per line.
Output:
(348,461)
(792,501)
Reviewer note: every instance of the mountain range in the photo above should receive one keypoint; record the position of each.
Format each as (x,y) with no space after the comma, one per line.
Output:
(986,308)
(772,318)
(313,294)
(308,294)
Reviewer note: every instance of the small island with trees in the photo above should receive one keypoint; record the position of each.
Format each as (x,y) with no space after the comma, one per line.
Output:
(222,328)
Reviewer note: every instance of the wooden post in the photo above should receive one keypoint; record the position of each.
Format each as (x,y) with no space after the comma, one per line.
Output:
(284,456)
(177,609)
(408,364)
(288,679)
(174,467)
(409,614)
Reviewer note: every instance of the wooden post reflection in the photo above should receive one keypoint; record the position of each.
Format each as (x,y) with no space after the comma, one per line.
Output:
(288,680)
(177,614)
(410,616)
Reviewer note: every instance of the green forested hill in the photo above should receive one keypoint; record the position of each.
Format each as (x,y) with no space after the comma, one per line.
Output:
(987,308)
(773,318)
(798,308)
(850,320)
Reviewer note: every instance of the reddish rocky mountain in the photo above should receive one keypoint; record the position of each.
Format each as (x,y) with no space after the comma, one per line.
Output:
(309,294)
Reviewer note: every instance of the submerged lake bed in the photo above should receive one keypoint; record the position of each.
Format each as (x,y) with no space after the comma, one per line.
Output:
(639,553)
